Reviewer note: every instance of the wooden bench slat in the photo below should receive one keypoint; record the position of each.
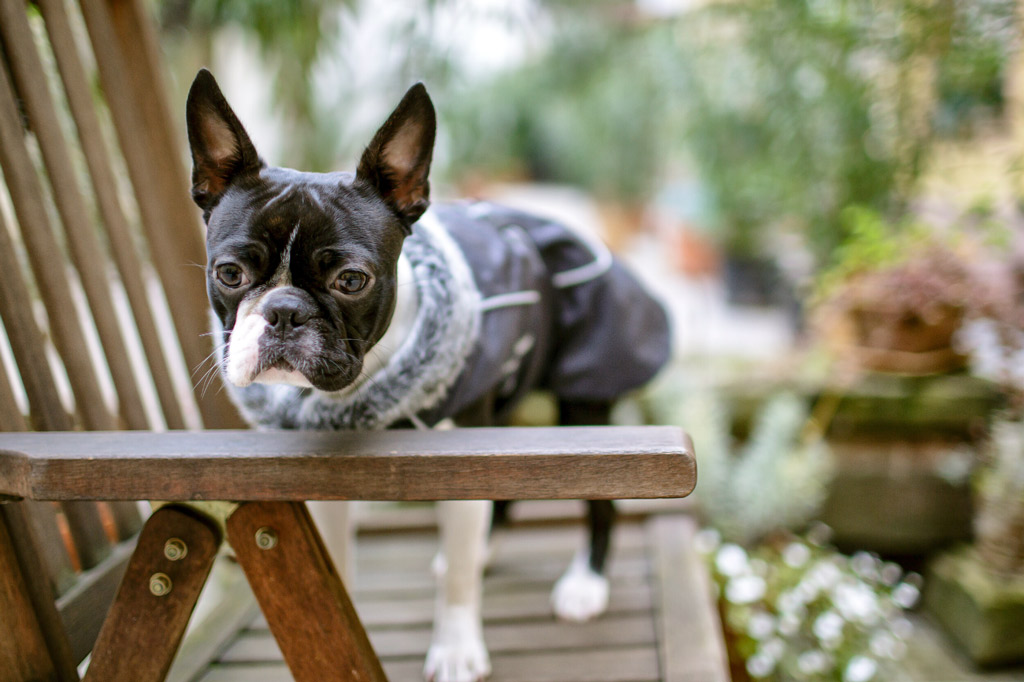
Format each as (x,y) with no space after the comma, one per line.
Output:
(84,607)
(23,651)
(87,531)
(17,518)
(487,463)
(127,518)
(689,630)
(10,414)
(54,557)
(23,333)
(122,244)
(124,48)
(50,272)
(90,261)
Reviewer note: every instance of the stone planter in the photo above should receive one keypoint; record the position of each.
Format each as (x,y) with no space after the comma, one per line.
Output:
(981,610)
(999,535)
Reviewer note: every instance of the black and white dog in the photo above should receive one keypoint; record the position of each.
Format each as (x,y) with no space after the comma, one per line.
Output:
(342,302)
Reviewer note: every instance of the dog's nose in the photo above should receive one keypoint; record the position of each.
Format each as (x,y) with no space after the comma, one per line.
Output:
(287,310)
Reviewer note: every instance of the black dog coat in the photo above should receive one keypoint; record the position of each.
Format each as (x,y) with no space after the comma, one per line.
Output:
(507,302)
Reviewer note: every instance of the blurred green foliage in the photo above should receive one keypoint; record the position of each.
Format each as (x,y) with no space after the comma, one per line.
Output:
(292,36)
(801,108)
(787,111)
(594,110)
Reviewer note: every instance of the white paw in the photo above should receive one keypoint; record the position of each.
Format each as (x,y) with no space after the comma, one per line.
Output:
(580,594)
(457,652)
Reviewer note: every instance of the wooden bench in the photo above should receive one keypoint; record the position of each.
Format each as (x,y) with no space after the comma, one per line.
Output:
(271,533)
(91,349)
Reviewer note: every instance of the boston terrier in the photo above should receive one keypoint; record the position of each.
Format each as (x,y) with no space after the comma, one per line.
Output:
(347,301)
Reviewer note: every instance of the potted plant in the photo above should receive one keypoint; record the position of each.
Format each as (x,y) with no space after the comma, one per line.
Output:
(898,294)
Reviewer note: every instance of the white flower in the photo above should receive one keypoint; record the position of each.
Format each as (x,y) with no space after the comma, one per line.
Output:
(745,589)
(789,624)
(902,628)
(731,560)
(761,625)
(806,591)
(760,665)
(884,645)
(775,648)
(813,662)
(905,595)
(828,626)
(860,669)
(791,601)
(856,602)
(891,573)
(824,574)
(796,554)
(819,534)
(707,541)
(865,565)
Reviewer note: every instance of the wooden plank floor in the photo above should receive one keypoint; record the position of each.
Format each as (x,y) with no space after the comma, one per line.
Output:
(394,596)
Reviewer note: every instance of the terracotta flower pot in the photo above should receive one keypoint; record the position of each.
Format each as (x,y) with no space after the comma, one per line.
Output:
(905,341)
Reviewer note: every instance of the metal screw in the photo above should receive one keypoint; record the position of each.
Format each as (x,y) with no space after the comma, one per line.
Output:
(159,584)
(266,538)
(175,549)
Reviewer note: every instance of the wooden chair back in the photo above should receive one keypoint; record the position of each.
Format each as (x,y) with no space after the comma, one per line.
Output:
(95,220)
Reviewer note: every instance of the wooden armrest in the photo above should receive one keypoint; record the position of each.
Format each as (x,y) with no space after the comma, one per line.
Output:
(592,462)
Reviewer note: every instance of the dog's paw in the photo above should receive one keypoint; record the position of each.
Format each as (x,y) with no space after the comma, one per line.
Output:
(580,594)
(457,652)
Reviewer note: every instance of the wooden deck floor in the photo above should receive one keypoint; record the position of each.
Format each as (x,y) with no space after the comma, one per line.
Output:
(660,625)
(394,596)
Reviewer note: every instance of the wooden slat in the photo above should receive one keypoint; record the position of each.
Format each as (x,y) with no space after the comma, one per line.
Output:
(49,546)
(27,342)
(104,185)
(31,83)
(692,647)
(83,607)
(10,414)
(15,517)
(534,603)
(506,545)
(23,651)
(87,532)
(301,594)
(124,47)
(539,572)
(488,463)
(142,631)
(127,518)
(503,638)
(15,307)
(51,275)
(536,513)
(633,664)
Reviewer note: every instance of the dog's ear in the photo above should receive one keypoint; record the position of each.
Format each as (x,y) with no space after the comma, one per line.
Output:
(221,149)
(397,161)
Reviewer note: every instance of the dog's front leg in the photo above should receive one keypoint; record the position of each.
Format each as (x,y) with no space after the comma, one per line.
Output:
(336,523)
(457,652)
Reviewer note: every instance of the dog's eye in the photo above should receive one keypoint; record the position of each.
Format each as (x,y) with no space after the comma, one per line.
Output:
(231,276)
(350,282)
